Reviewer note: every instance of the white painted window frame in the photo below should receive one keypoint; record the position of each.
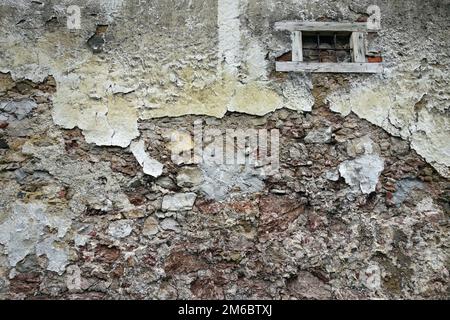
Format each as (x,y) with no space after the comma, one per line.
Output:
(358,32)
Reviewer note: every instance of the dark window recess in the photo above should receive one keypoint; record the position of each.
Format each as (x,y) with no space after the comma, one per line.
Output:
(326,47)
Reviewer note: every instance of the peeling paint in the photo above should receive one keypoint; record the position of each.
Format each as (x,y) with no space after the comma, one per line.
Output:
(363,172)
(151,166)
(23,233)
(393,107)
(355,186)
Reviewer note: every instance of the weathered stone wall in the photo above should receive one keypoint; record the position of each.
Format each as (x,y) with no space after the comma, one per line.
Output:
(93,206)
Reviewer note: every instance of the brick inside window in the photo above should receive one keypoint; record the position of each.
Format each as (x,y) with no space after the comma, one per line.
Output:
(327,47)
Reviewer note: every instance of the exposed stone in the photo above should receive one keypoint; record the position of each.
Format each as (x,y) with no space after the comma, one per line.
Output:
(97,41)
(399,147)
(79,220)
(178,202)
(179,262)
(404,189)
(189,177)
(166,183)
(73,278)
(308,286)
(428,207)
(180,142)
(25,283)
(150,227)
(426,129)
(120,229)
(16,109)
(135,214)
(332,175)
(105,254)
(81,240)
(361,146)
(278,213)
(221,180)
(3,144)
(170,224)
(319,136)
(20,174)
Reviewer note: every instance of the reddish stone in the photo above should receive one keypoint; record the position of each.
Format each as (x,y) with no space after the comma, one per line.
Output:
(315,222)
(136,199)
(257,289)
(362,19)
(307,286)
(3,124)
(62,194)
(278,212)
(209,206)
(25,283)
(182,262)
(375,59)
(118,271)
(70,145)
(244,207)
(150,259)
(206,289)
(128,166)
(285,57)
(106,254)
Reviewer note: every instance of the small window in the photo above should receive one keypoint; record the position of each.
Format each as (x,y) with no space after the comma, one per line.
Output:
(328,47)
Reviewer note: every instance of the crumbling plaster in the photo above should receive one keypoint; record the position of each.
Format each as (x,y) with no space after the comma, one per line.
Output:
(170,60)
(151,68)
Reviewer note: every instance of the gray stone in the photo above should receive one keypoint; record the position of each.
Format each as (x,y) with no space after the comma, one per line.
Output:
(150,227)
(166,183)
(3,144)
(360,146)
(308,286)
(189,177)
(120,229)
(28,264)
(320,136)
(96,43)
(20,174)
(332,175)
(399,147)
(404,189)
(221,180)
(18,109)
(178,202)
(170,224)
(81,240)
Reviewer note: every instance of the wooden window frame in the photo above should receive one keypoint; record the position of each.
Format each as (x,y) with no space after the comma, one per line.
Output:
(358,32)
